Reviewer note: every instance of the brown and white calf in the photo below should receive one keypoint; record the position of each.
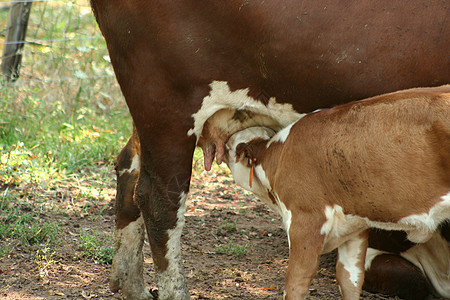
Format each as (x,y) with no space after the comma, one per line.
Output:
(383,162)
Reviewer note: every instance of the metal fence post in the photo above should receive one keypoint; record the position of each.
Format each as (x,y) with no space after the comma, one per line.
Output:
(12,50)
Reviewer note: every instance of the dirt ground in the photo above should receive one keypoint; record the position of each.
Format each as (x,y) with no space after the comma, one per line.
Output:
(218,213)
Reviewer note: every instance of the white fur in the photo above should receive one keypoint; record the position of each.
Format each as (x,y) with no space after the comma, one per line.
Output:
(127,270)
(340,227)
(286,216)
(261,175)
(433,258)
(221,97)
(370,256)
(135,165)
(426,223)
(241,171)
(173,281)
(281,135)
(348,257)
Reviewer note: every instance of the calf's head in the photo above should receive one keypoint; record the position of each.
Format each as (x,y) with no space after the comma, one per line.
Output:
(242,154)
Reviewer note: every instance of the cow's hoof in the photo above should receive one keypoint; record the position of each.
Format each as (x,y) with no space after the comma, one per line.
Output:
(133,292)
(114,286)
(154,293)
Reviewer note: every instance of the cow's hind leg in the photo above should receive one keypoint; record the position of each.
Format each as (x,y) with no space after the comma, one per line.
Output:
(350,266)
(127,267)
(387,272)
(391,274)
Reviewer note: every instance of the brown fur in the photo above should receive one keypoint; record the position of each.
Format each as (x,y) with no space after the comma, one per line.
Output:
(379,158)
(312,54)
(126,209)
(342,149)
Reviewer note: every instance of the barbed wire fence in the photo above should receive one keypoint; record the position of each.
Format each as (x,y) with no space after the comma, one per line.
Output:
(62,52)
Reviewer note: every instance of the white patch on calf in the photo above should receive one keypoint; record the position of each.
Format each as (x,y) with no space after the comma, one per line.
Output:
(261,175)
(281,135)
(172,282)
(241,170)
(348,257)
(286,216)
(339,227)
(135,165)
(221,97)
(127,267)
(423,225)
(261,185)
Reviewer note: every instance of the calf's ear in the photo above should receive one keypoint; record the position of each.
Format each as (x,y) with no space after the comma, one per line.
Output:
(243,150)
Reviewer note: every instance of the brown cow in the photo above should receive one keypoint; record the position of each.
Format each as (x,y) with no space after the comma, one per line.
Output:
(379,163)
(180,62)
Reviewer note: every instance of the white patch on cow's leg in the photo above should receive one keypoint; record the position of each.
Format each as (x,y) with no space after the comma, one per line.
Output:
(348,257)
(351,258)
(370,256)
(433,258)
(135,164)
(172,282)
(127,267)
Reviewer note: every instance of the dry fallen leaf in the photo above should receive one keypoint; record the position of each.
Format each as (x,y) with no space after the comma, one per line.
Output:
(5,271)
(271,288)
(88,295)
(55,293)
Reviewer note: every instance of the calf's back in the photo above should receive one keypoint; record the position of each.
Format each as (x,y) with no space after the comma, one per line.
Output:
(384,158)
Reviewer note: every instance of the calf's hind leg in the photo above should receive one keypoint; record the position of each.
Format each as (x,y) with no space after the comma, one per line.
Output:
(350,266)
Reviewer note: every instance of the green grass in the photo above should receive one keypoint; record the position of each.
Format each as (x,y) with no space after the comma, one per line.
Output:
(37,133)
(198,165)
(91,246)
(62,125)
(229,226)
(49,130)
(232,249)
(24,227)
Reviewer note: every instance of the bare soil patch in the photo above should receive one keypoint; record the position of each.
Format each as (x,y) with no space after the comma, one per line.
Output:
(220,218)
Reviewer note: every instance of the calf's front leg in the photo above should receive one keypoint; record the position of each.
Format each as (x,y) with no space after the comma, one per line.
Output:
(306,245)
(350,265)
